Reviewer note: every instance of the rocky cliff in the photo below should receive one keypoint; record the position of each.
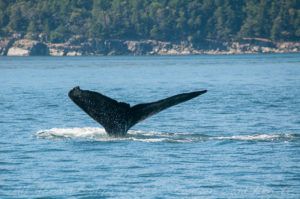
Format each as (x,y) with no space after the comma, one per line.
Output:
(90,47)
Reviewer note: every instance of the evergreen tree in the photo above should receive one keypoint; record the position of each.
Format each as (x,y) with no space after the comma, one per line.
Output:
(192,20)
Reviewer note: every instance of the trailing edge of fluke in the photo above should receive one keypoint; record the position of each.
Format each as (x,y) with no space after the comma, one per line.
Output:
(118,117)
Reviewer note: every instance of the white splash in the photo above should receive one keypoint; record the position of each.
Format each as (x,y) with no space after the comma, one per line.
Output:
(258,137)
(56,133)
(99,134)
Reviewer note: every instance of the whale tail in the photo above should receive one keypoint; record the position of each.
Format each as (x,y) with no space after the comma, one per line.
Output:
(118,117)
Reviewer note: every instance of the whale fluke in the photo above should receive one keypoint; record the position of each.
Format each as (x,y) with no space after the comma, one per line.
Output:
(118,117)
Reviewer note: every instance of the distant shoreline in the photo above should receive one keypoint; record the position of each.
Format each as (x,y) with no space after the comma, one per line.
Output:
(98,47)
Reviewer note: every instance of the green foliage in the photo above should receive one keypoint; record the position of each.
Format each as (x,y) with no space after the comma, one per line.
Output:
(192,20)
(59,34)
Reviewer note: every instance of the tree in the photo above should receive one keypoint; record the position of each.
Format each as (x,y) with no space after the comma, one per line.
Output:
(59,35)
(193,20)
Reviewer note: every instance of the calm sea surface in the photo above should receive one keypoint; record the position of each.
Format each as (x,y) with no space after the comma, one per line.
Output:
(239,140)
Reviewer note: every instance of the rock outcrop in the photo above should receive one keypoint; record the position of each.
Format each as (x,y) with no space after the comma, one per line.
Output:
(5,44)
(25,47)
(78,46)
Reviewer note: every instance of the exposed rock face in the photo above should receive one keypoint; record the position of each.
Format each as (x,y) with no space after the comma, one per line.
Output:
(140,48)
(15,51)
(25,47)
(116,47)
(5,44)
(89,47)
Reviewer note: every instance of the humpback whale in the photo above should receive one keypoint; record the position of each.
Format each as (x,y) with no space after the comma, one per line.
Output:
(118,117)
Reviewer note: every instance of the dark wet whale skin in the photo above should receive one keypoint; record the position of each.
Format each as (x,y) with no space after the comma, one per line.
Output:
(118,117)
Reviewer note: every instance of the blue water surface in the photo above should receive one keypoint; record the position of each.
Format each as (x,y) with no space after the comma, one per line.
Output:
(239,140)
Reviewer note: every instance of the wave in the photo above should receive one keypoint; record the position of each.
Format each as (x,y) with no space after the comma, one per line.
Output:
(262,137)
(99,134)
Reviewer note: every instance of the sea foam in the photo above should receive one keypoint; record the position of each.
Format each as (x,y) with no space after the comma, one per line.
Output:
(99,134)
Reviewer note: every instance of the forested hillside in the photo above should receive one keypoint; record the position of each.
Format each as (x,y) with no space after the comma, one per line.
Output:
(167,20)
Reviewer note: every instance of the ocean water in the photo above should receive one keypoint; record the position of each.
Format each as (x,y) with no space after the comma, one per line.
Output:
(241,139)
